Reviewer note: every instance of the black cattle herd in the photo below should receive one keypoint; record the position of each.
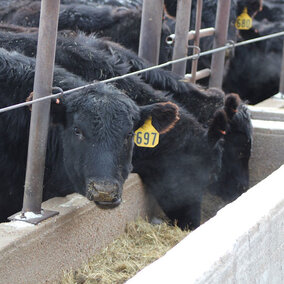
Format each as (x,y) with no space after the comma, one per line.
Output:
(204,134)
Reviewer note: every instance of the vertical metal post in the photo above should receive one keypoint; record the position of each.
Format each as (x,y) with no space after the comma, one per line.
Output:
(150,31)
(181,31)
(220,39)
(281,86)
(40,111)
(196,39)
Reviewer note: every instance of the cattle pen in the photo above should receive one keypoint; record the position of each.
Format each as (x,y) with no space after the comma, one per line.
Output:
(268,135)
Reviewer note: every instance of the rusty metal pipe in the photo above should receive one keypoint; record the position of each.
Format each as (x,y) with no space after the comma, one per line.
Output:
(194,63)
(181,31)
(220,39)
(150,31)
(40,111)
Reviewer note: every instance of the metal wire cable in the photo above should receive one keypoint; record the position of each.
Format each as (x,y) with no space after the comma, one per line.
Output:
(204,53)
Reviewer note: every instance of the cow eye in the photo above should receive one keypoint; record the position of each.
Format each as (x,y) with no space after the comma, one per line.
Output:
(130,134)
(78,131)
(241,155)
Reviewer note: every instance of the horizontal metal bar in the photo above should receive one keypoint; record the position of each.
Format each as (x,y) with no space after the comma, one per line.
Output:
(191,35)
(204,53)
(199,74)
(202,33)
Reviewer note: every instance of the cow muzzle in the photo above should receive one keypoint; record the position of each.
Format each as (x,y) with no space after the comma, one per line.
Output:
(105,194)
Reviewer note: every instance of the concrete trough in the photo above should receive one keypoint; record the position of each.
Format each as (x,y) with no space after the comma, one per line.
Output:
(39,254)
(243,243)
(268,141)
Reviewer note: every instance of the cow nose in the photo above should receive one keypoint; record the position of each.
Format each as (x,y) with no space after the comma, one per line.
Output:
(105,193)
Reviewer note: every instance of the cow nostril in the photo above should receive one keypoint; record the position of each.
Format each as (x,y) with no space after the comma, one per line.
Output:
(103,192)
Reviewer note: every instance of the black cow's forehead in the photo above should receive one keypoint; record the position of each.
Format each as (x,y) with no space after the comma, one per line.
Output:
(101,95)
(103,109)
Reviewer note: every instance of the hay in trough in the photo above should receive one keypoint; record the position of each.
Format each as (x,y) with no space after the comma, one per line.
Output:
(141,244)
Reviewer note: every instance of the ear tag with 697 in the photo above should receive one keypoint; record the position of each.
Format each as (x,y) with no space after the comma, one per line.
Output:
(146,135)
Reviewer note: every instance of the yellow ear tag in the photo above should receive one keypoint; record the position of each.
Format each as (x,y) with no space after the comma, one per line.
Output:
(146,135)
(244,21)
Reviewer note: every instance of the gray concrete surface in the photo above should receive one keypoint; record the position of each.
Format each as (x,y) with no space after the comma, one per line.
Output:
(242,244)
(266,113)
(39,254)
(276,101)
(267,150)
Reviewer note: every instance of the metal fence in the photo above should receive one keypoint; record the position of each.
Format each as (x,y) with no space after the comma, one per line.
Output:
(45,65)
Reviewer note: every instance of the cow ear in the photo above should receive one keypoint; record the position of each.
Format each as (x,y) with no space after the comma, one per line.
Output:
(232,102)
(164,115)
(58,112)
(217,127)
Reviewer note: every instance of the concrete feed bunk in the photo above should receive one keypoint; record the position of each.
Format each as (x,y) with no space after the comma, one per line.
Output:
(39,254)
(243,243)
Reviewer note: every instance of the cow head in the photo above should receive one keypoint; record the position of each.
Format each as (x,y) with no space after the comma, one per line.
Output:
(233,179)
(237,152)
(97,138)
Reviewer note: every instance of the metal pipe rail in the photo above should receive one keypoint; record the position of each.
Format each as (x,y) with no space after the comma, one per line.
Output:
(49,14)
(150,32)
(194,63)
(281,85)
(204,53)
(218,59)
(191,35)
(181,30)
(201,74)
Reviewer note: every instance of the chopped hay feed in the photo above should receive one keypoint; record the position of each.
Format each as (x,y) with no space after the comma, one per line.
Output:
(141,244)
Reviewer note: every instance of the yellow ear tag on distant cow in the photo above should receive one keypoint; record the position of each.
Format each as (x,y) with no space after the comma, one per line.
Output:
(146,135)
(244,21)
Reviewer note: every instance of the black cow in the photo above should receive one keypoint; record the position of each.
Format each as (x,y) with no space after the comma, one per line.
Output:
(25,12)
(109,59)
(101,59)
(202,149)
(208,20)
(178,178)
(234,176)
(90,138)
(104,20)
(202,104)
(237,7)
(233,179)
(272,11)
(254,72)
